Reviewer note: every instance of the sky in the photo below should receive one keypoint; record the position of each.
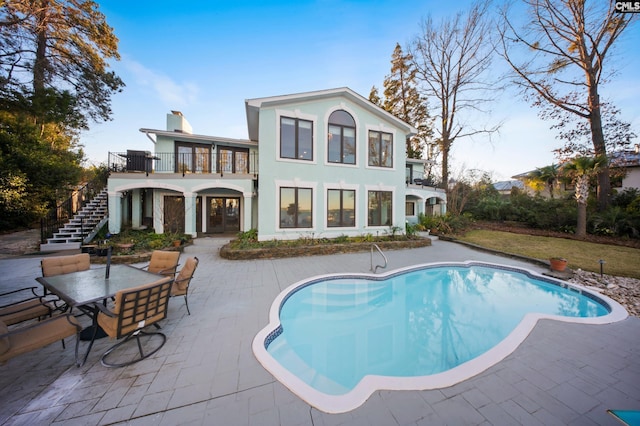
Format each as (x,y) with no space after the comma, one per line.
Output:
(205,58)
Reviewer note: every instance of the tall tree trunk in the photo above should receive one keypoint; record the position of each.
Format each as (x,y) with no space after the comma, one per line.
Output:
(600,149)
(40,61)
(445,167)
(581,226)
(582,195)
(40,64)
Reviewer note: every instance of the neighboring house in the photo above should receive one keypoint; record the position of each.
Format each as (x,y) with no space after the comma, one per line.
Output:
(627,162)
(630,162)
(506,186)
(316,164)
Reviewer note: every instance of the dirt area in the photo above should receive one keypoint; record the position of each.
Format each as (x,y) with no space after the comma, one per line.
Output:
(19,243)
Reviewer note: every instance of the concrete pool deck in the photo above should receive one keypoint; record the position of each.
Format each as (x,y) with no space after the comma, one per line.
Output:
(207,374)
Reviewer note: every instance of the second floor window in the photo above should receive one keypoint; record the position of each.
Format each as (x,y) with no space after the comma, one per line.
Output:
(232,160)
(380,149)
(342,138)
(296,138)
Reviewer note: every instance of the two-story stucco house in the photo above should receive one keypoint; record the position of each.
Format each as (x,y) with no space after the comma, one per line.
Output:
(322,164)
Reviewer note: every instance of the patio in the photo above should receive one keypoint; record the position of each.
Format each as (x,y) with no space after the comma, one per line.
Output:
(206,372)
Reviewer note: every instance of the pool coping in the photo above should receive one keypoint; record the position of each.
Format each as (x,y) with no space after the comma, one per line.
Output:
(372,383)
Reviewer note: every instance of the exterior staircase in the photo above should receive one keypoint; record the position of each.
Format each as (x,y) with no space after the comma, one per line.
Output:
(82,227)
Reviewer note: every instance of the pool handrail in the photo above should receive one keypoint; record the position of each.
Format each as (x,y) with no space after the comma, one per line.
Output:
(375,270)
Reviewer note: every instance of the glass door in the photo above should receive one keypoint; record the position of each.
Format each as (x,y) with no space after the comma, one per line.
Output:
(233,160)
(223,215)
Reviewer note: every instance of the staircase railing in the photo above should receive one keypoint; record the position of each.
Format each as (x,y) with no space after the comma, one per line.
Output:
(63,212)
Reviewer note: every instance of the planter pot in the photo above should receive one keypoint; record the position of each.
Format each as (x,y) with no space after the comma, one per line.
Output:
(558,264)
(177,243)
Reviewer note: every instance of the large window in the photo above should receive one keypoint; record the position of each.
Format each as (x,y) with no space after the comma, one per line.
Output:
(380,208)
(192,158)
(295,208)
(380,149)
(296,138)
(342,138)
(341,207)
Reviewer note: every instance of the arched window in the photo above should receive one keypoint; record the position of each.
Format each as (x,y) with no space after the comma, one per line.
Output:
(342,138)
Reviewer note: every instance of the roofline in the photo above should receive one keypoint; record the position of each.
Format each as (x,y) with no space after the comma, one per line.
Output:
(194,137)
(253,105)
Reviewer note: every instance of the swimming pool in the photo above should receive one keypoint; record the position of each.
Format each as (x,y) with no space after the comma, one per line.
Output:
(335,339)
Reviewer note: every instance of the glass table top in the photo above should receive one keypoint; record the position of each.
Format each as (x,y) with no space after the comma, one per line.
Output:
(84,287)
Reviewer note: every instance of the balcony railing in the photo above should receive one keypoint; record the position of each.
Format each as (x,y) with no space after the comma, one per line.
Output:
(236,163)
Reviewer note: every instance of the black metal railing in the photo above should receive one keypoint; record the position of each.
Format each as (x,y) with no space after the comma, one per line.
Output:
(231,163)
(59,215)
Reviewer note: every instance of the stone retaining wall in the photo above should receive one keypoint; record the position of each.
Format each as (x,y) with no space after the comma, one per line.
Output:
(312,250)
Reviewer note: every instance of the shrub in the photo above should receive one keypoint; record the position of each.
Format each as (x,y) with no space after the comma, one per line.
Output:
(447,224)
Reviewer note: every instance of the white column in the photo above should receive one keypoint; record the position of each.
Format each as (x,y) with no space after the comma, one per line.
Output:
(247,211)
(115,212)
(136,209)
(158,213)
(190,214)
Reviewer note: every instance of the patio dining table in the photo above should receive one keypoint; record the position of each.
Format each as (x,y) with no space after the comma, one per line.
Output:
(84,289)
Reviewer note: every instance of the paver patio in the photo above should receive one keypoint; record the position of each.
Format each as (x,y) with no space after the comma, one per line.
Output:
(206,373)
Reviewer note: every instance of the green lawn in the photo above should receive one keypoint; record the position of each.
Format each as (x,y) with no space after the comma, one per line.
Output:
(620,261)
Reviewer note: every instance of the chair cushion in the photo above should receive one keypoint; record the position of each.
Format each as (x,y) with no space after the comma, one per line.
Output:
(4,341)
(41,334)
(24,311)
(181,284)
(164,261)
(59,265)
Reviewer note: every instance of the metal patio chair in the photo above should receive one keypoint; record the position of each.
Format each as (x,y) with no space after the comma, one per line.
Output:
(180,286)
(133,310)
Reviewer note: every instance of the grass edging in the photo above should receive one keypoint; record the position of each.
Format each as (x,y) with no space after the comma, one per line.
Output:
(494,251)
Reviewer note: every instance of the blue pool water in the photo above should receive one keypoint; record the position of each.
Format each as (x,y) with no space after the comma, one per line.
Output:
(420,322)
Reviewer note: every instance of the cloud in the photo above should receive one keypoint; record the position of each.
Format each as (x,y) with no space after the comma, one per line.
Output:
(172,93)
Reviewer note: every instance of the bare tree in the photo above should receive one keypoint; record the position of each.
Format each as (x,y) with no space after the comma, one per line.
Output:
(558,58)
(451,59)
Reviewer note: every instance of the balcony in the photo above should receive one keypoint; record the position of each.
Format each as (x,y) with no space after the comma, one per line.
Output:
(221,164)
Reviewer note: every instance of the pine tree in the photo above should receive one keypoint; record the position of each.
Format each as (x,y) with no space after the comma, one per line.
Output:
(53,58)
(401,98)
(374,96)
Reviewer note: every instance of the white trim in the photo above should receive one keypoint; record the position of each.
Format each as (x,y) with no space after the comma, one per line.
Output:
(189,137)
(371,383)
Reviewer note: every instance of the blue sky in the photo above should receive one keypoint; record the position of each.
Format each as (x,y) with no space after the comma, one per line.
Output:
(205,58)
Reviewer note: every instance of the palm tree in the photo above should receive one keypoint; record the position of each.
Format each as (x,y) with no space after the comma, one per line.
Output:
(581,169)
(546,176)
